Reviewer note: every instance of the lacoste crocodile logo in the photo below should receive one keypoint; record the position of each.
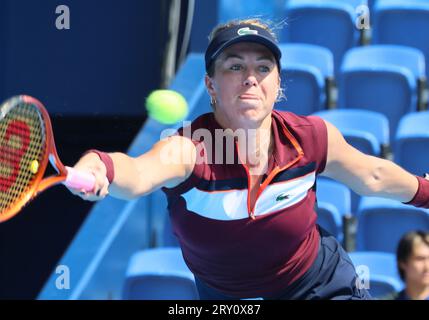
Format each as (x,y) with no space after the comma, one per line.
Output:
(282,196)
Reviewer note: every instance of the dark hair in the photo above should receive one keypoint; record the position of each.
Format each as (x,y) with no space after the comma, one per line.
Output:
(406,246)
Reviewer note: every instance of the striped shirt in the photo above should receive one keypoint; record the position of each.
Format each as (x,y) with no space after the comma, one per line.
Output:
(237,255)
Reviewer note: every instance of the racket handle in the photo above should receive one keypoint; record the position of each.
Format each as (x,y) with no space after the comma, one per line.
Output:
(79,180)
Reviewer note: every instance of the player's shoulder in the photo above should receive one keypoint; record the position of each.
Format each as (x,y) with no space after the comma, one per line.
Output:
(203,121)
(202,127)
(295,120)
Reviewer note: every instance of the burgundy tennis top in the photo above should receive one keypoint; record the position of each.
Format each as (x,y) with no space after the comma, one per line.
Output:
(251,252)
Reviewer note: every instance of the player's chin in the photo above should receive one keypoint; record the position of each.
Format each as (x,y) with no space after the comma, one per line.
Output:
(249,108)
(253,113)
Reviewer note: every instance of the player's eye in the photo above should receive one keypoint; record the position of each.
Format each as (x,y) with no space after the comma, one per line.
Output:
(236,67)
(264,68)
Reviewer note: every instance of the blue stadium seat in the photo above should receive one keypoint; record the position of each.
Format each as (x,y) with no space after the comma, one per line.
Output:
(367,131)
(159,274)
(333,202)
(330,219)
(383,263)
(381,78)
(403,23)
(333,192)
(382,223)
(304,74)
(327,23)
(411,145)
(379,270)
(382,286)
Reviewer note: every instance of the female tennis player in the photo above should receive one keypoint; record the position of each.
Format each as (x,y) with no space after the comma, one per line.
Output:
(244,211)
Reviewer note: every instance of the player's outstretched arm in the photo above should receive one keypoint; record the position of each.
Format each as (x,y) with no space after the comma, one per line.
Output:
(168,163)
(364,174)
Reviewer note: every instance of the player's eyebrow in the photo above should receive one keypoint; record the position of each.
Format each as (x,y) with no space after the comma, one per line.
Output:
(231,56)
(237,56)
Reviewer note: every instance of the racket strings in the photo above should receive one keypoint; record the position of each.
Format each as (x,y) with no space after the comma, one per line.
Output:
(22,146)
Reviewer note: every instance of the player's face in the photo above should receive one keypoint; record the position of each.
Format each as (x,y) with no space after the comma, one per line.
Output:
(417,267)
(245,85)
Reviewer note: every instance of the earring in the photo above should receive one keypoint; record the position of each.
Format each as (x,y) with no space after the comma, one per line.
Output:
(212,101)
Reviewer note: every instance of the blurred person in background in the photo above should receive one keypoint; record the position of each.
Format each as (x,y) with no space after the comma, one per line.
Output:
(412,257)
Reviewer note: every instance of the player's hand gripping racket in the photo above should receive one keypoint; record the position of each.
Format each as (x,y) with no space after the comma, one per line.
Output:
(26,146)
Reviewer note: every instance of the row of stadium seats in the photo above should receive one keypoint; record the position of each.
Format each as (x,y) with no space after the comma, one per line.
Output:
(340,25)
(384,78)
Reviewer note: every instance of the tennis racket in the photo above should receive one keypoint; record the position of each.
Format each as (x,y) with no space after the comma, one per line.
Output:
(26,146)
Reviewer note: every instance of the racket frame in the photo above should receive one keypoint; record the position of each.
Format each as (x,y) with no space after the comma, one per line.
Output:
(50,154)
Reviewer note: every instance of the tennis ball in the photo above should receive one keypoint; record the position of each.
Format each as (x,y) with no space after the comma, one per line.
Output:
(166,106)
(34,166)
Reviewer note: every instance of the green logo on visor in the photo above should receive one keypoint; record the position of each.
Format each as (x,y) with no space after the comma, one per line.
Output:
(246,30)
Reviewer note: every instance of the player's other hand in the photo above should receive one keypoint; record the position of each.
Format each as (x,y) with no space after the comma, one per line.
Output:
(92,164)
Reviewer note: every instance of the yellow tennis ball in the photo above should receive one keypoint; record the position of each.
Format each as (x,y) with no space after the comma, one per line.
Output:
(166,106)
(34,166)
